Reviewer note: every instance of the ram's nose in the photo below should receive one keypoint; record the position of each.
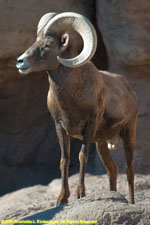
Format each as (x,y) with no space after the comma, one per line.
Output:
(21,61)
(22,64)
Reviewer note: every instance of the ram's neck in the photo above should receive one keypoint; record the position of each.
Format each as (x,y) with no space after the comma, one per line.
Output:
(78,78)
(60,75)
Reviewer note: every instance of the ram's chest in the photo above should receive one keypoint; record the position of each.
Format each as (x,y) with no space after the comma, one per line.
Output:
(67,114)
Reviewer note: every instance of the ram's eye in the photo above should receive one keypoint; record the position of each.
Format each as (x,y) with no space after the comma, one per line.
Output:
(44,49)
(47,46)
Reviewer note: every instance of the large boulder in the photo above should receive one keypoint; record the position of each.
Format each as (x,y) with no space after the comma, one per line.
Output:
(125,26)
(29,150)
(100,205)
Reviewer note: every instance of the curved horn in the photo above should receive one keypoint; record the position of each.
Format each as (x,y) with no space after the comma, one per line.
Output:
(67,21)
(44,20)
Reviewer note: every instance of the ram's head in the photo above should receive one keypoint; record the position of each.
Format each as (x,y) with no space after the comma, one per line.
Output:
(57,40)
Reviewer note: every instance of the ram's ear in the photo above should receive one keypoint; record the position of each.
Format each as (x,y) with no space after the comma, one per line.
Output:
(65,40)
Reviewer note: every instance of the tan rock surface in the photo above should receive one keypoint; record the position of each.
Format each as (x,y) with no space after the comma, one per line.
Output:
(38,202)
(125,30)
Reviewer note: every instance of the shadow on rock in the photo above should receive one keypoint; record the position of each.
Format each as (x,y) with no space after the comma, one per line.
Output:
(42,217)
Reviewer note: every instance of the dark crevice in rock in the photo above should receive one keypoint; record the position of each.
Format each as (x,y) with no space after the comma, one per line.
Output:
(100,58)
(144,114)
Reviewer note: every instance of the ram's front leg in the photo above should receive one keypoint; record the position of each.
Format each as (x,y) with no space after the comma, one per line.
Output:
(83,157)
(64,141)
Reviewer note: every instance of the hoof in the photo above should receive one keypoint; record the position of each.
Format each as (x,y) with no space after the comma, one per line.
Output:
(80,192)
(61,202)
(63,197)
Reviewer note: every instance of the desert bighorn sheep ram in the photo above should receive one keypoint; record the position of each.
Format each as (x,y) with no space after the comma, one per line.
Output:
(91,105)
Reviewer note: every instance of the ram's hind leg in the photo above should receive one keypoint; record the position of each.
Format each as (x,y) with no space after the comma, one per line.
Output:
(129,139)
(111,167)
